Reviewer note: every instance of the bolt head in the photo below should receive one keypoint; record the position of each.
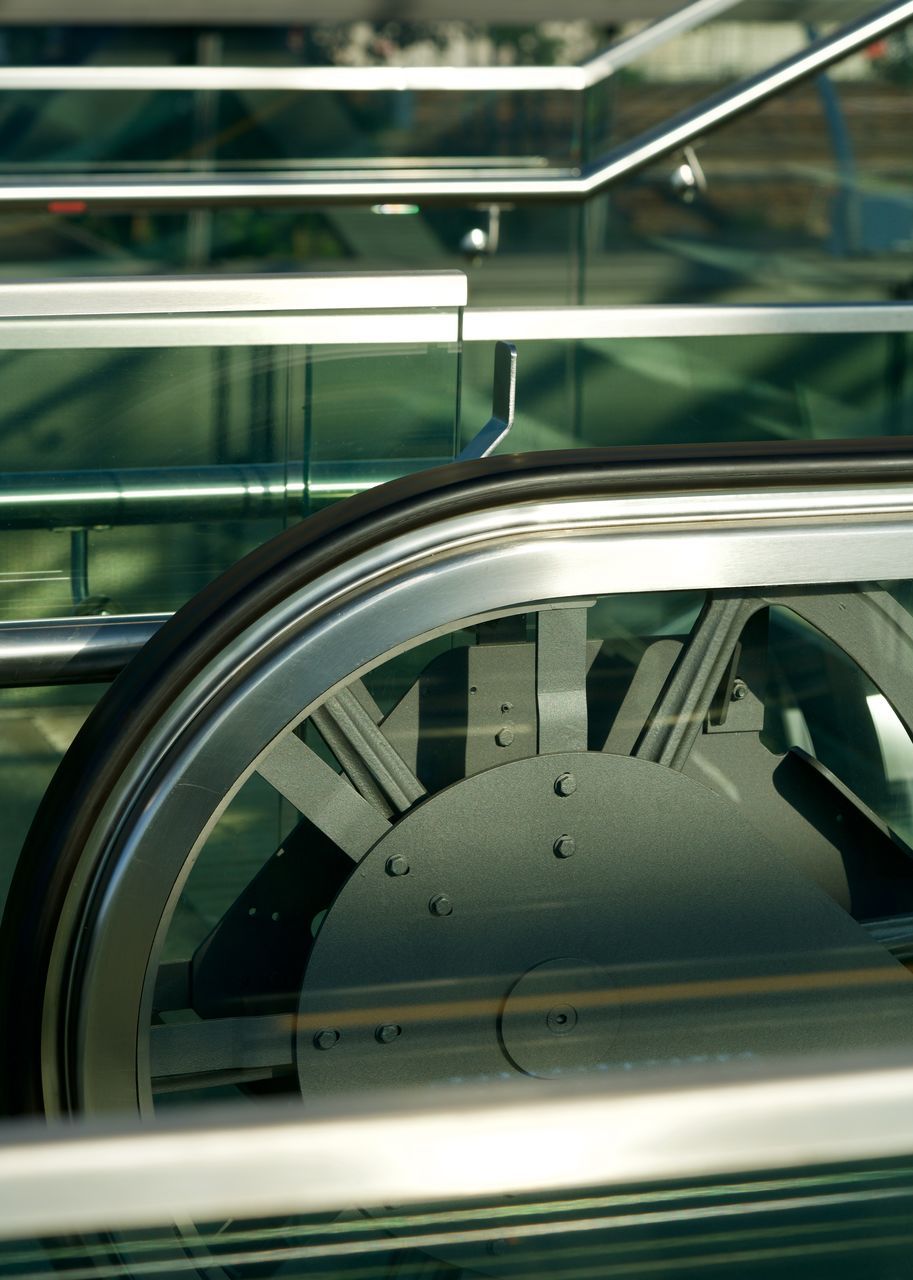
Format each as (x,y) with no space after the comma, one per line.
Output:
(739,691)
(388,1032)
(561,1019)
(440,905)
(504,737)
(397,865)
(565,847)
(565,784)
(326,1039)
(497,1247)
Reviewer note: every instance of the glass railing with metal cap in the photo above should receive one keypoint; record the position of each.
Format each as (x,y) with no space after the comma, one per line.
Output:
(689,204)
(212,411)
(218,117)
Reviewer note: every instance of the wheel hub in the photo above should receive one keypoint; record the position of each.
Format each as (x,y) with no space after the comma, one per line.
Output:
(573,912)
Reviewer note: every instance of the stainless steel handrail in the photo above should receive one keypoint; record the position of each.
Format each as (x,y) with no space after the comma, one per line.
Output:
(557,324)
(58,651)
(454,1146)
(214,295)
(425,185)
(388,79)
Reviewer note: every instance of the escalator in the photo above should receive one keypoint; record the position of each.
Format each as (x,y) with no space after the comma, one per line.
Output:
(523,768)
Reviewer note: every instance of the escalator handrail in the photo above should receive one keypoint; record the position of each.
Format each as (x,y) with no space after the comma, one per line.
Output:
(724,1118)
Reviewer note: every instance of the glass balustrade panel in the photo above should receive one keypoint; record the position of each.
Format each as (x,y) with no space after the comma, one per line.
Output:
(641,391)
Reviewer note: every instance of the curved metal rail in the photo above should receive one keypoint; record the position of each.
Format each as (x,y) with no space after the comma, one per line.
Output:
(454,548)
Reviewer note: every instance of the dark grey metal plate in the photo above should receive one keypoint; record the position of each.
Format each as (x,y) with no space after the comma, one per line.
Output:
(705,940)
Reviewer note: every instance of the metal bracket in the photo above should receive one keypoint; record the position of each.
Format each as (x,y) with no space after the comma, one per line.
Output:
(503,399)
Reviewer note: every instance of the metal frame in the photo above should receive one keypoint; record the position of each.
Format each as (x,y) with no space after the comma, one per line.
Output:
(461,186)
(454,1147)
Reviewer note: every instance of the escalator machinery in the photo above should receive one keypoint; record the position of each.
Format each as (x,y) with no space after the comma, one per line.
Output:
(524,768)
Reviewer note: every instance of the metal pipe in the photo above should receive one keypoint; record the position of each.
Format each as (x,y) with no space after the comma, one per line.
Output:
(181,495)
(427,185)
(56,651)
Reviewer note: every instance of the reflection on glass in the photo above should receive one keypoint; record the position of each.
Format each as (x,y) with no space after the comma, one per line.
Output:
(694,390)
(215,449)
(845,1222)
(806,197)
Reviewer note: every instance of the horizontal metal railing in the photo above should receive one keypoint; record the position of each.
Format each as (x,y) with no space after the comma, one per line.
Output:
(462,1144)
(165,495)
(426,184)
(372,79)
(213,295)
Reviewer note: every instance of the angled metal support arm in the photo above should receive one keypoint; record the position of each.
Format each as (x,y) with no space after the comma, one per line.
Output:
(503,399)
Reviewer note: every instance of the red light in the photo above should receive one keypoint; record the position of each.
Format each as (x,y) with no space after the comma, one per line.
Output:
(67,206)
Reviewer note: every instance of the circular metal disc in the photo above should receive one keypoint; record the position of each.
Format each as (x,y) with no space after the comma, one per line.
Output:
(560,1016)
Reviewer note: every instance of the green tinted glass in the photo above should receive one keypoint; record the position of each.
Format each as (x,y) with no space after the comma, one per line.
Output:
(159,468)
(641,391)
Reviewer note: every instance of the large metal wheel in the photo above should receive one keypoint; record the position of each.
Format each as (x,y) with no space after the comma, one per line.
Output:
(562,845)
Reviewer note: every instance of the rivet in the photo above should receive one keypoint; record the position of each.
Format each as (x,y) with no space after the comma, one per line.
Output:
(326,1039)
(389,1031)
(565,847)
(496,1247)
(504,737)
(565,784)
(397,865)
(440,905)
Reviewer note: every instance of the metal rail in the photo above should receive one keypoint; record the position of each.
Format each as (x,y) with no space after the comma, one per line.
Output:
(447,1148)
(419,184)
(383,79)
(166,495)
(328,291)
(127,312)
(57,651)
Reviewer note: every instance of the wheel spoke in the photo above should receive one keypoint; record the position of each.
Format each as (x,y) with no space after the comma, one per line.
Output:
(329,801)
(647,683)
(195,1054)
(367,756)
(561,671)
(682,707)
